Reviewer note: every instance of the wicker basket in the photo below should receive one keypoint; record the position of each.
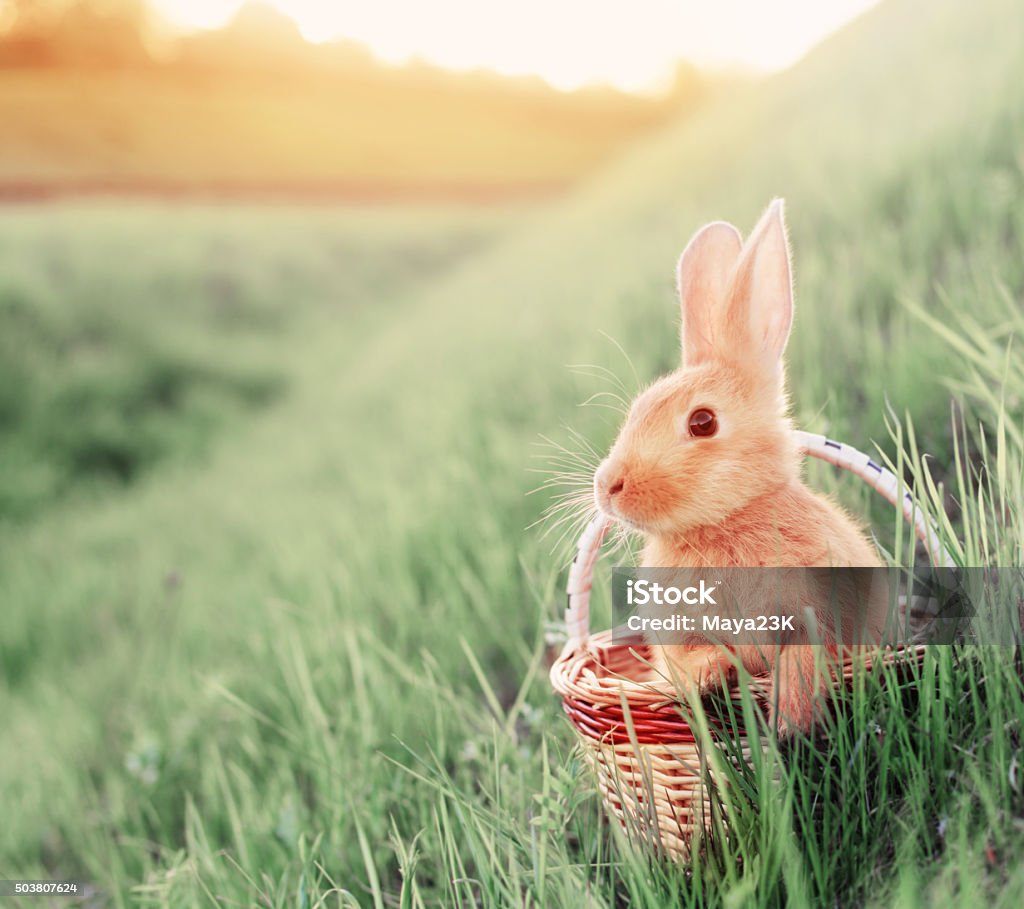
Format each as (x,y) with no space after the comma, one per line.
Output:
(658,776)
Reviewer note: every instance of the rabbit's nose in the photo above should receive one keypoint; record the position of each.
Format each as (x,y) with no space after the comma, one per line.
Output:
(609,481)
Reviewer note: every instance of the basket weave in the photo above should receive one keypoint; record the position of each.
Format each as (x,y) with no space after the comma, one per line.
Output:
(656,774)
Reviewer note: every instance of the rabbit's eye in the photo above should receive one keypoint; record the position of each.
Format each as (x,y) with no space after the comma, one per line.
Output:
(703,423)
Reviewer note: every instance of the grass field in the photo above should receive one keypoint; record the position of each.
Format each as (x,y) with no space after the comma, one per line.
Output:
(368,133)
(105,372)
(303,663)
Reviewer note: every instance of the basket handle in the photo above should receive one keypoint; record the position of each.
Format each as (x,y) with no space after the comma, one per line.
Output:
(581,573)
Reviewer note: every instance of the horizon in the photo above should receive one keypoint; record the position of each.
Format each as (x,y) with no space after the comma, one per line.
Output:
(636,52)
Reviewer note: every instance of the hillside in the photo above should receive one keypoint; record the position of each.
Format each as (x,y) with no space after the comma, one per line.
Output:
(315,658)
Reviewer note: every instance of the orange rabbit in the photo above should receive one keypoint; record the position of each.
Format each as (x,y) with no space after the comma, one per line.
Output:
(706,467)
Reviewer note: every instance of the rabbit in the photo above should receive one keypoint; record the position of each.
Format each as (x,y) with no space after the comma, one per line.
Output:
(706,469)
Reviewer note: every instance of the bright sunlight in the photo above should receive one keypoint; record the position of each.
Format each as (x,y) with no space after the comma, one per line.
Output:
(570,43)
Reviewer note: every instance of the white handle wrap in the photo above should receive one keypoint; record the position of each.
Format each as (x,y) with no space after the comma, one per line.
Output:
(883,482)
(577,612)
(581,572)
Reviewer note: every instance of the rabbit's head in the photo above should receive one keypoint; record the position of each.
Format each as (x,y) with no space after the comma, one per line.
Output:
(713,436)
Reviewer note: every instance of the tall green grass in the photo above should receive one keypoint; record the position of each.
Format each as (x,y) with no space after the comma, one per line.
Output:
(311,670)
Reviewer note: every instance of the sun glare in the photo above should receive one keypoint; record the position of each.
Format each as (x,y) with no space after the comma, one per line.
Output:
(569,43)
(198,14)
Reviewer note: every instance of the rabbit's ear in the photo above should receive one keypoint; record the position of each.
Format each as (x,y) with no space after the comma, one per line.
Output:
(759,309)
(703,275)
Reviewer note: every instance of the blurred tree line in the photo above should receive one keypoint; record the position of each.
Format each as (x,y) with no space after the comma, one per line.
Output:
(127,34)
(74,33)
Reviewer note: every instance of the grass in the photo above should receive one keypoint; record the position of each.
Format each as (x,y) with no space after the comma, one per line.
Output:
(106,372)
(309,668)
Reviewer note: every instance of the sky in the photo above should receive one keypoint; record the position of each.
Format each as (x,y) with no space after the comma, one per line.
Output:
(632,44)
